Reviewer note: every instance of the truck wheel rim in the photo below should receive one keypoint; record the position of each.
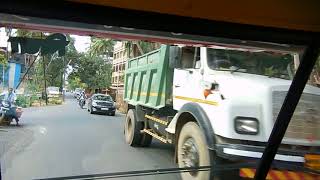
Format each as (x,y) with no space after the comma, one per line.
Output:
(190,155)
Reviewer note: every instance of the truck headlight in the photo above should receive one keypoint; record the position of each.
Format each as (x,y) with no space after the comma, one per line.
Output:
(246,125)
(94,104)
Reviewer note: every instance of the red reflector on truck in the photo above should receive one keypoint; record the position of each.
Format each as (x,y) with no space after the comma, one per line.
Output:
(279,175)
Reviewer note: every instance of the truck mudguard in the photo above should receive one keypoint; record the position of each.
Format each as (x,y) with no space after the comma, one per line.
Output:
(203,121)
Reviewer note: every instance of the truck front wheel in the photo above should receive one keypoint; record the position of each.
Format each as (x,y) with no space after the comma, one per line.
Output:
(193,151)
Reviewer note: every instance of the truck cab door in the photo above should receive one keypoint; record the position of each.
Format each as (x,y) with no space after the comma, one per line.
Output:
(187,79)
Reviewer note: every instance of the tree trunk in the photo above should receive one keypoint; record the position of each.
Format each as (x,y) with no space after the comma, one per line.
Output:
(139,47)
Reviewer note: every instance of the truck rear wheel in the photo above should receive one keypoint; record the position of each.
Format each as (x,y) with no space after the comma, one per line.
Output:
(146,140)
(132,129)
(193,152)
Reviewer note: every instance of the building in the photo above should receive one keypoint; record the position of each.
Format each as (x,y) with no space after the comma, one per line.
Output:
(120,58)
(15,70)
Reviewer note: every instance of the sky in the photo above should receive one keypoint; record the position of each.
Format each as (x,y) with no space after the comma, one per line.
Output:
(3,38)
(82,43)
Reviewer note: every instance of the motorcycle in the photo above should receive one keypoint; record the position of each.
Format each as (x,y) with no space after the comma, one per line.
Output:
(82,102)
(8,112)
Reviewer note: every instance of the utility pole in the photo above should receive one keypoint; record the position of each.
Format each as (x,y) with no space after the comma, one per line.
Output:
(45,81)
(64,78)
(64,75)
(44,75)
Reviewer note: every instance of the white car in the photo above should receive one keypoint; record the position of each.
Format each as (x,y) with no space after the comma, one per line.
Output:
(53,91)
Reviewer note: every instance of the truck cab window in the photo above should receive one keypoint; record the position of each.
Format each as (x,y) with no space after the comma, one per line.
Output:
(196,59)
(190,57)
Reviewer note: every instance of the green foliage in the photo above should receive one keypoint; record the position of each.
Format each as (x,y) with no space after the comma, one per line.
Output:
(23,101)
(100,46)
(94,72)
(75,82)
(270,71)
(56,65)
(3,60)
(30,34)
(55,101)
(32,88)
(138,48)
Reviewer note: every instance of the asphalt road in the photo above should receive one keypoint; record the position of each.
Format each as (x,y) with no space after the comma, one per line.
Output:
(68,141)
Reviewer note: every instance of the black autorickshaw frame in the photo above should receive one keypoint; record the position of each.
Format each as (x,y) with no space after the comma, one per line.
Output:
(93,14)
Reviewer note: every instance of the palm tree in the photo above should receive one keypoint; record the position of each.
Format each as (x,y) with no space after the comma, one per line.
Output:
(138,48)
(100,46)
(30,34)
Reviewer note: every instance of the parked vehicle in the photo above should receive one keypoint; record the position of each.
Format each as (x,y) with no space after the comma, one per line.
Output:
(53,92)
(101,103)
(217,105)
(77,92)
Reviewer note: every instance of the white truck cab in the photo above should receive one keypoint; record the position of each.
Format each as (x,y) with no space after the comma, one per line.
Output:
(242,102)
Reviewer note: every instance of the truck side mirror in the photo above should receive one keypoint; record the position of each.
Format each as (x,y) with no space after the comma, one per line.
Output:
(174,57)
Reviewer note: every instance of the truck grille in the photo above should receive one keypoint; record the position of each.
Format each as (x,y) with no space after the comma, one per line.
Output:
(305,123)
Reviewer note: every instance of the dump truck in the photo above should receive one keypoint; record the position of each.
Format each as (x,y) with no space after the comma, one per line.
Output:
(218,105)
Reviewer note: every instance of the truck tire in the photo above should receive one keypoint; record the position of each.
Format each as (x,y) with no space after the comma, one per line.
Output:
(192,151)
(146,140)
(132,129)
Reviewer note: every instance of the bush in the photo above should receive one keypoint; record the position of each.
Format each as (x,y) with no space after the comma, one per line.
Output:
(23,101)
(55,101)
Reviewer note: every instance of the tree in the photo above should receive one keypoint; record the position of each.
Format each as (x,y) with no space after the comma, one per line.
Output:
(3,60)
(30,34)
(75,82)
(54,64)
(138,48)
(3,64)
(92,71)
(100,46)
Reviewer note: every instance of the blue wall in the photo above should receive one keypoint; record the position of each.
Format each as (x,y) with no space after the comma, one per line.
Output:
(12,74)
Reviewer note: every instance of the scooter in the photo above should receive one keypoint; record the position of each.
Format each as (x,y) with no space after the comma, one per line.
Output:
(8,112)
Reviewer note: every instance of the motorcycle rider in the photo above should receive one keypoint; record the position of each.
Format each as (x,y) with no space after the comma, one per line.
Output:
(82,98)
(11,97)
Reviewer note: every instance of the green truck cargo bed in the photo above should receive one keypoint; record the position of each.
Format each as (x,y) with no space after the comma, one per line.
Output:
(148,79)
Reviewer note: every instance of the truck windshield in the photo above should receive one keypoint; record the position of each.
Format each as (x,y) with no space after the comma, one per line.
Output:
(270,64)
